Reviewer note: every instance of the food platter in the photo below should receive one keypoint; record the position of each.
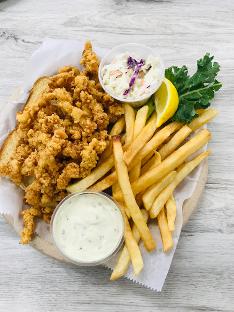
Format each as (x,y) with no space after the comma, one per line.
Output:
(189,207)
(99,152)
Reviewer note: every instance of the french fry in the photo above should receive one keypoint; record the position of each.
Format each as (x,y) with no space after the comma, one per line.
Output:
(129,121)
(128,111)
(135,172)
(151,163)
(154,190)
(171,213)
(146,133)
(106,154)
(206,116)
(94,176)
(180,166)
(159,137)
(105,183)
(175,141)
(169,164)
(140,121)
(123,138)
(164,231)
(161,200)
(121,266)
(118,127)
(116,188)
(199,111)
(124,259)
(116,130)
(149,148)
(147,158)
(172,161)
(139,199)
(132,246)
(130,202)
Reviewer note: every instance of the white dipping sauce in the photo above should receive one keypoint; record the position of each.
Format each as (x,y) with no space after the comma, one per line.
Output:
(88,227)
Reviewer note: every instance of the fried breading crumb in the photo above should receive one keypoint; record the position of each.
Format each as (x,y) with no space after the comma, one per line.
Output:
(62,137)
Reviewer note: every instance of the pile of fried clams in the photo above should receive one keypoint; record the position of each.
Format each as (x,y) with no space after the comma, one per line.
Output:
(61,138)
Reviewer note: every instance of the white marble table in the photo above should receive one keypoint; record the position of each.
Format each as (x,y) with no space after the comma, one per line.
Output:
(202,274)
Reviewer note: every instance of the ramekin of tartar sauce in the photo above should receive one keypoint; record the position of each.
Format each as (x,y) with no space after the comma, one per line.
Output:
(87,228)
(131,73)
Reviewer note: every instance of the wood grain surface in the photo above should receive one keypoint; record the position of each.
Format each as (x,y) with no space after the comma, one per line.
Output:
(202,274)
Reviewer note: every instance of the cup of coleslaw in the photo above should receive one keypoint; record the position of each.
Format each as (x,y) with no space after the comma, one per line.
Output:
(131,73)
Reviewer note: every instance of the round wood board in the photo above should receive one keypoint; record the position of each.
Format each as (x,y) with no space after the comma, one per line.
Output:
(189,206)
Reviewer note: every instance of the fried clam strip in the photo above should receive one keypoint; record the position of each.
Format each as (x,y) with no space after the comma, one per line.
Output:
(124,259)
(129,198)
(140,121)
(152,144)
(63,99)
(53,147)
(90,61)
(131,245)
(29,215)
(105,164)
(172,161)
(163,197)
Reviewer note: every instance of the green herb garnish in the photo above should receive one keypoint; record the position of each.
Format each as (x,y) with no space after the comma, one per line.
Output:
(196,91)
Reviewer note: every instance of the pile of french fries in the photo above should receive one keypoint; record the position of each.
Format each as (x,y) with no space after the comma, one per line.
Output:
(143,165)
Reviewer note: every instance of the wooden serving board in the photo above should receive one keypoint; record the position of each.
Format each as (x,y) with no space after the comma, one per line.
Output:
(189,206)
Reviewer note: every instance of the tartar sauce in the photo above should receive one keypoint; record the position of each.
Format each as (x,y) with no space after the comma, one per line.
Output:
(130,77)
(87,227)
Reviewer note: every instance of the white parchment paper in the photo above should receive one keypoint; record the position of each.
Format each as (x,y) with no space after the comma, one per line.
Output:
(51,55)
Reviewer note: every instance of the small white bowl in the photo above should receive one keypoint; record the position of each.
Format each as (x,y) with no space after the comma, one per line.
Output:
(143,52)
(57,243)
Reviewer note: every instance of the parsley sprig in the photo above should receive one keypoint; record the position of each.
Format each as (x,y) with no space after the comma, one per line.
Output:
(196,91)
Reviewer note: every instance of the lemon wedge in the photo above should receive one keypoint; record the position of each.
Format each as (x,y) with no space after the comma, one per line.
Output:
(166,100)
